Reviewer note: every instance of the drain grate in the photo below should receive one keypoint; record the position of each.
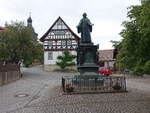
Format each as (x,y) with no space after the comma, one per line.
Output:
(21,95)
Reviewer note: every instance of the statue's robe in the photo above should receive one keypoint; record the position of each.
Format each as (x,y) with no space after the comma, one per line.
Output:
(85,27)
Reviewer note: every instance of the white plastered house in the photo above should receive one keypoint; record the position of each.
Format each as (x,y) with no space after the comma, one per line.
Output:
(56,40)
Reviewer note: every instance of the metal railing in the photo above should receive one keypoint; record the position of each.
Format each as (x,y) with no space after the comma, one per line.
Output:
(83,84)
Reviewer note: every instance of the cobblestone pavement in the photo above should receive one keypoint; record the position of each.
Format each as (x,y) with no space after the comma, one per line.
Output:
(47,97)
(33,81)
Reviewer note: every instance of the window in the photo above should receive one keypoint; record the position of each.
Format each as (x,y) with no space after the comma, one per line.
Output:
(50,43)
(63,42)
(68,42)
(50,55)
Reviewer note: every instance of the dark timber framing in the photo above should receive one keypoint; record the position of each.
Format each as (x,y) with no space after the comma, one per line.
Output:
(60,37)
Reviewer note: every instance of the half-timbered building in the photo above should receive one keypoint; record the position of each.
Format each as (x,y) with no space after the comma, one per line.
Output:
(57,39)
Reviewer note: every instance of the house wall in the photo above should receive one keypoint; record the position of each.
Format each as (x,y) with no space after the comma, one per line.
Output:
(109,64)
(50,65)
(55,54)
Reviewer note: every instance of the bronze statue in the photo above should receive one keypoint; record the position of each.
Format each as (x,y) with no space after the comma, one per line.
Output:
(85,27)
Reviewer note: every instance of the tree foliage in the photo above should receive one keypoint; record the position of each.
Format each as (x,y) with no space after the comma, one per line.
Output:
(115,44)
(134,49)
(66,60)
(17,44)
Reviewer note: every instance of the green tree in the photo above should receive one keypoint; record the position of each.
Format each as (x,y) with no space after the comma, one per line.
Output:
(134,49)
(66,60)
(115,44)
(4,53)
(17,44)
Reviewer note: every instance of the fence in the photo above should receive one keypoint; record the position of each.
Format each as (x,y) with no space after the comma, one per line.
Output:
(89,84)
(9,73)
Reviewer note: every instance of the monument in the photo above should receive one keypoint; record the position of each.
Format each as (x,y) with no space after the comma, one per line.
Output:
(89,80)
(87,54)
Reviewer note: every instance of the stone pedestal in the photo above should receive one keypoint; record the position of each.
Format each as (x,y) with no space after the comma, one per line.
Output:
(87,59)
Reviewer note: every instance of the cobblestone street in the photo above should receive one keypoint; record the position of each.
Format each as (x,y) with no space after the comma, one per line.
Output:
(45,96)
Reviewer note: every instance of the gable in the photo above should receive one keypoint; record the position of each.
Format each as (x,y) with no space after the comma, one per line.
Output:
(59,30)
(59,25)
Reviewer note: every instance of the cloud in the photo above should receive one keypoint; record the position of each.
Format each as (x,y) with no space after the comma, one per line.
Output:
(107,15)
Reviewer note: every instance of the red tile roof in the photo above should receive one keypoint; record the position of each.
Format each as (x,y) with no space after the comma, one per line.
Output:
(2,28)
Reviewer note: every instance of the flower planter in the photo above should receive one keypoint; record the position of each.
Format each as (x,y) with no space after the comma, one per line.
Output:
(69,88)
(116,87)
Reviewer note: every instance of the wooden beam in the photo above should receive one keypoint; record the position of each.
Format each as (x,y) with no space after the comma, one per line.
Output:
(62,49)
(60,39)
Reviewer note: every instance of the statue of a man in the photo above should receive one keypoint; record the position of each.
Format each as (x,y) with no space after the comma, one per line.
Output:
(85,27)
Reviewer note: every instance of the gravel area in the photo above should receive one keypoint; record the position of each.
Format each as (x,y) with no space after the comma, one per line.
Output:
(47,97)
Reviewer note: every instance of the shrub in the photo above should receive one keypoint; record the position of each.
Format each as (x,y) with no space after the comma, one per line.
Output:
(65,60)
(147,67)
(138,70)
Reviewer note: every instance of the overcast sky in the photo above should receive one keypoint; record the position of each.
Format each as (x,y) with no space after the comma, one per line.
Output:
(106,15)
